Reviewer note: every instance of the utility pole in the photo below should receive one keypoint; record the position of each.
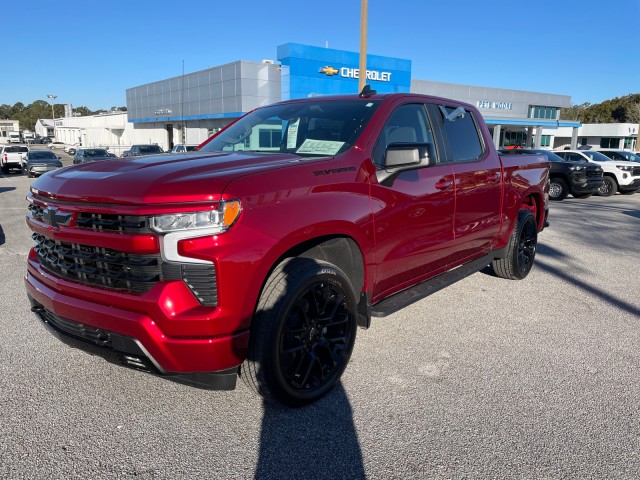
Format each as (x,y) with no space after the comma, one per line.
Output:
(362,78)
(53,116)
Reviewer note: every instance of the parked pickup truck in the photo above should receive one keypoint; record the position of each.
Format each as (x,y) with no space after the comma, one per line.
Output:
(12,157)
(580,179)
(270,245)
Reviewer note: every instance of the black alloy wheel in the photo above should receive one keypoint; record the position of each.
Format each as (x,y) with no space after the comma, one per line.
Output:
(303,333)
(521,250)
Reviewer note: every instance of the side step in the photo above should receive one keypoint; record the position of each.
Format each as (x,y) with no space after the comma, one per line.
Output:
(418,292)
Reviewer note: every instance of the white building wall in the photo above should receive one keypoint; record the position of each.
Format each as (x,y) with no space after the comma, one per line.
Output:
(593,133)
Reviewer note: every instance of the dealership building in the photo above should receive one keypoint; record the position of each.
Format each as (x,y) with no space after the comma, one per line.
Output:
(191,107)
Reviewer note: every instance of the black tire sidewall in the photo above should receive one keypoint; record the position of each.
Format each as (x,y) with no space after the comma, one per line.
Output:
(276,383)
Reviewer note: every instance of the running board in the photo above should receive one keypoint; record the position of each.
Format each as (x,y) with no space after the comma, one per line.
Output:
(418,292)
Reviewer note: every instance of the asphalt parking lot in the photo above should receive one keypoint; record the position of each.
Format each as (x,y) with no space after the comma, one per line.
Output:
(488,378)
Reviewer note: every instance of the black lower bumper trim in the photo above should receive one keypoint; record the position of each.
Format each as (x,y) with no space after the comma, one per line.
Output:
(125,351)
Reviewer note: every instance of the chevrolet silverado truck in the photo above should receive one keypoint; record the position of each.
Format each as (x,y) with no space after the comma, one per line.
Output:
(261,253)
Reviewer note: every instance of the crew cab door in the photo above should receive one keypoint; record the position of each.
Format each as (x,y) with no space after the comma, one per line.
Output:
(413,210)
(478,180)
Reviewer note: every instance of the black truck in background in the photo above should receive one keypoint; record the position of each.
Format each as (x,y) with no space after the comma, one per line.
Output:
(580,179)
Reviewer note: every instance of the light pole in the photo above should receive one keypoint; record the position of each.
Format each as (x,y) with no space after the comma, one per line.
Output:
(53,116)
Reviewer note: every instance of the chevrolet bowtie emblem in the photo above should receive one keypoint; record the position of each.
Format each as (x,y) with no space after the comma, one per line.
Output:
(55,219)
(329,71)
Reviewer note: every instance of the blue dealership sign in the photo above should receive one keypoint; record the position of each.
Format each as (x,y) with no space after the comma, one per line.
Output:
(309,71)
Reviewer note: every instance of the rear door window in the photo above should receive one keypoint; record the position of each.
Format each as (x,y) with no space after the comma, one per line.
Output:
(460,134)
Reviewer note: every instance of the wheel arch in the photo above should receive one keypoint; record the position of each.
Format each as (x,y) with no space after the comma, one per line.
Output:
(613,176)
(343,252)
(535,203)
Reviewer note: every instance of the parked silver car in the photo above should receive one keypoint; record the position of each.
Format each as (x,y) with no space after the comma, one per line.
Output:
(38,162)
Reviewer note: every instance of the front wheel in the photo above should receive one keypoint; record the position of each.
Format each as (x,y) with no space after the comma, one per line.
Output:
(521,250)
(609,187)
(558,189)
(303,332)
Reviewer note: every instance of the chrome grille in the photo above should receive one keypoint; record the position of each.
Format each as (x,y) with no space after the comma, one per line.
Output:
(97,265)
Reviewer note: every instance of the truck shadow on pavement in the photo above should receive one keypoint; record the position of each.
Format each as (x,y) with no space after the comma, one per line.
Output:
(553,253)
(2,237)
(317,441)
(590,289)
(6,189)
(565,274)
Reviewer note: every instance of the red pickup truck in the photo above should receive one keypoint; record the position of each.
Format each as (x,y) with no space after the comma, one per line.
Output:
(261,252)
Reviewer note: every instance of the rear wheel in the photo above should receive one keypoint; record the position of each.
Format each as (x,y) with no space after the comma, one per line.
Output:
(303,332)
(521,250)
(609,187)
(558,189)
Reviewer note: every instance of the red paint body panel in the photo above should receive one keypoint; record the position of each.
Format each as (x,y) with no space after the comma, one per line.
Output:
(424,222)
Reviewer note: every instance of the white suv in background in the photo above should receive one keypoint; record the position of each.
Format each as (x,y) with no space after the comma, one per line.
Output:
(619,176)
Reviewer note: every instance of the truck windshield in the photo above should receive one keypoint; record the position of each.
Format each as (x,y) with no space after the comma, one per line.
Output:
(311,128)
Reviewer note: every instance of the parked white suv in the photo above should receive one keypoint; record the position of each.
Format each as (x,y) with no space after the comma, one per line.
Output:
(619,175)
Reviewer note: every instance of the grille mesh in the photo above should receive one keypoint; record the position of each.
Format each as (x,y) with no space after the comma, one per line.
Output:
(98,265)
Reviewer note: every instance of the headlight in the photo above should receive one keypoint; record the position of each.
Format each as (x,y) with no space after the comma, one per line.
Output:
(577,168)
(215,220)
(626,168)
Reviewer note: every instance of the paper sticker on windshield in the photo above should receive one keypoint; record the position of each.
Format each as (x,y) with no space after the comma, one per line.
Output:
(320,147)
(292,135)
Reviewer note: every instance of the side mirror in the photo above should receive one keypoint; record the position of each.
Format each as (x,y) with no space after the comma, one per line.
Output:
(406,156)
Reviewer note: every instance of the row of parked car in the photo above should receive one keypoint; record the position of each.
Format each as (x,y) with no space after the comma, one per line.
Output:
(580,173)
(583,173)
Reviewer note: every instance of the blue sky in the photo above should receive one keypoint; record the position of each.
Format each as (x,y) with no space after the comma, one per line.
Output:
(89,52)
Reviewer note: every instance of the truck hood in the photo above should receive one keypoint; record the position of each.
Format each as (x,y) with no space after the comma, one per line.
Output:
(156,179)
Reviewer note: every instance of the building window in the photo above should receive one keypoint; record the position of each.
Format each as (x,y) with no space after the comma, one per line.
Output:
(270,138)
(583,141)
(609,142)
(545,140)
(628,143)
(547,113)
(515,139)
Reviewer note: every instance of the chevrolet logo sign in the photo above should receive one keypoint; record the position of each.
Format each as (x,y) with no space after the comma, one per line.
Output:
(329,71)
(55,219)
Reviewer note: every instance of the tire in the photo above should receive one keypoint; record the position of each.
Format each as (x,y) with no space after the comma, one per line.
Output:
(582,195)
(608,188)
(5,170)
(558,189)
(521,250)
(302,334)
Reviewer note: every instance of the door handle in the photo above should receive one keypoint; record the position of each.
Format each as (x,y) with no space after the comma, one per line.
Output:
(444,184)
(493,176)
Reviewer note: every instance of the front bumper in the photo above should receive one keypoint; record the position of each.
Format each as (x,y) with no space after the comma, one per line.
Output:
(135,340)
(40,169)
(634,185)
(588,186)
